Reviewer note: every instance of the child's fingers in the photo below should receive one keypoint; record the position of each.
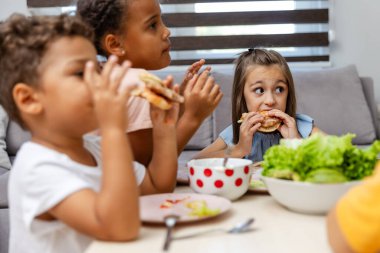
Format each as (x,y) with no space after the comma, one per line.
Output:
(193,69)
(218,98)
(191,83)
(119,75)
(201,81)
(254,128)
(173,113)
(215,90)
(176,87)
(168,81)
(89,74)
(209,85)
(108,67)
(198,65)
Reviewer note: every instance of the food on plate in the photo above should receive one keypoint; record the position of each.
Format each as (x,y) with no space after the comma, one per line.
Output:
(156,92)
(200,209)
(257,184)
(320,159)
(168,203)
(269,124)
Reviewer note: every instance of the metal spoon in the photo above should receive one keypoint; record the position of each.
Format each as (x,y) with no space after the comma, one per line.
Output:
(227,153)
(240,227)
(170,222)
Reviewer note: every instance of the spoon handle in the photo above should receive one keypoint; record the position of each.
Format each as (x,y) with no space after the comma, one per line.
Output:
(168,238)
(227,153)
(170,222)
(198,233)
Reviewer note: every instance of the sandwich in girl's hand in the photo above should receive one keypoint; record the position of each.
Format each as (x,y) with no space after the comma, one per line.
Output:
(269,124)
(151,88)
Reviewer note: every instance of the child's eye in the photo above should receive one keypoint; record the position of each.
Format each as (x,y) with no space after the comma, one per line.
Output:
(279,89)
(258,90)
(79,74)
(153,26)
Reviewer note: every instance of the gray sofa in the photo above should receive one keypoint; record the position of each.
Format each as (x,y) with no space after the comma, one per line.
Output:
(338,99)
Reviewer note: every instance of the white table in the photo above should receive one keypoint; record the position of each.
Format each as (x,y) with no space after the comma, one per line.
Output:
(276,230)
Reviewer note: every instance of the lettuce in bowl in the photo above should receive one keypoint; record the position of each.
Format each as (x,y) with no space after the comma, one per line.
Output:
(320,159)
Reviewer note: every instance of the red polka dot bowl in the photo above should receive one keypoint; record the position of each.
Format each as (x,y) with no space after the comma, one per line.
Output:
(209,176)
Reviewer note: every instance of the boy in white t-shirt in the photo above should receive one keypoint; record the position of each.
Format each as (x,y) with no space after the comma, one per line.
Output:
(66,189)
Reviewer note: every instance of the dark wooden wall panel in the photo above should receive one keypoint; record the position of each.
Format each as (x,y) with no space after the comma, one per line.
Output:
(244,18)
(173,20)
(215,1)
(319,58)
(50,3)
(246,41)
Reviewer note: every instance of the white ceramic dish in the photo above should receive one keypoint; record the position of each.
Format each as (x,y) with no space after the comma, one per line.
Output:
(306,197)
(209,176)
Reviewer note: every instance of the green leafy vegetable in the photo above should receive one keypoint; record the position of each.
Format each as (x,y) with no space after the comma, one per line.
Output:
(200,209)
(320,159)
(325,176)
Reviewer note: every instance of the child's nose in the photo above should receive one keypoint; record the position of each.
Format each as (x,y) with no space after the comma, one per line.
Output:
(269,99)
(166,33)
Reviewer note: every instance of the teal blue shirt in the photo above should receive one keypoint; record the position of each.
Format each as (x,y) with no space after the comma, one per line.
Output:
(262,141)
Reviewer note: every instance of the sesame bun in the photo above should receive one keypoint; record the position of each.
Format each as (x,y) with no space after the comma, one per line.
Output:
(153,89)
(270,124)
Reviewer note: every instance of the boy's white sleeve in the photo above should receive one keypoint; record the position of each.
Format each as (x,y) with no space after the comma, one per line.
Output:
(140,171)
(45,186)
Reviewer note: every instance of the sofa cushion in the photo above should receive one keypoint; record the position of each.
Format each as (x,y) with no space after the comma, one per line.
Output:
(5,163)
(16,136)
(204,135)
(223,113)
(369,93)
(335,99)
(4,230)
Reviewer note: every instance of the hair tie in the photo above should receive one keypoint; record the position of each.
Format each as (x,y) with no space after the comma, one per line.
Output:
(252,49)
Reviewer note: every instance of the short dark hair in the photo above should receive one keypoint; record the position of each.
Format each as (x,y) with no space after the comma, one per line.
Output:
(260,57)
(23,43)
(104,16)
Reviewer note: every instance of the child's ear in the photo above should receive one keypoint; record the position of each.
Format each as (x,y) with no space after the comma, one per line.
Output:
(27,99)
(112,45)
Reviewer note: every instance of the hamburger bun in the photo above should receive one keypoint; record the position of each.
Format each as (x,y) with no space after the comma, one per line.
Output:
(270,124)
(151,88)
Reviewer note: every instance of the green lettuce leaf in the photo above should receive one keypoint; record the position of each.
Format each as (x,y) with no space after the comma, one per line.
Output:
(320,159)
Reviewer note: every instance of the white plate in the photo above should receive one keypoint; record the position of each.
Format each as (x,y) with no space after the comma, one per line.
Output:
(257,184)
(154,208)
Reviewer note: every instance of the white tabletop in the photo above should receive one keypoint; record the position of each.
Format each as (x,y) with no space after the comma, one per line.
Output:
(275,229)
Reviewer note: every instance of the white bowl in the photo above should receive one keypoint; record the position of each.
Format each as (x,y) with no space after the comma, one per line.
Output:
(306,197)
(210,177)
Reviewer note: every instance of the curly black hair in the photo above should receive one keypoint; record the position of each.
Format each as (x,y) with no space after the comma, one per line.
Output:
(23,43)
(104,16)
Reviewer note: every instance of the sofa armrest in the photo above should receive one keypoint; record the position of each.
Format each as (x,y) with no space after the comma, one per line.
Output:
(369,91)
